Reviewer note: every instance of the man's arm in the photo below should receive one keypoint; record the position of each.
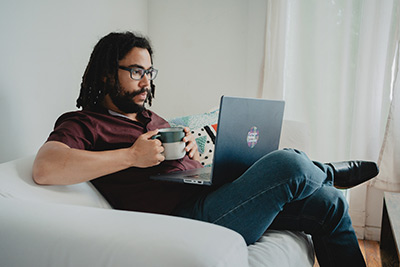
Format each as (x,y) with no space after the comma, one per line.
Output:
(58,164)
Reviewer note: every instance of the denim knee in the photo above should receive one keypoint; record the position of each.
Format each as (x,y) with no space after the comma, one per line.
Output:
(295,164)
(289,168)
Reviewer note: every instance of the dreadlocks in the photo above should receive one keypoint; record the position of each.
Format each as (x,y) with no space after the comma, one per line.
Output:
(101,73)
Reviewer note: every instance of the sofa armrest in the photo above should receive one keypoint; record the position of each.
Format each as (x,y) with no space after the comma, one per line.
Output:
(16,182)
(45,234)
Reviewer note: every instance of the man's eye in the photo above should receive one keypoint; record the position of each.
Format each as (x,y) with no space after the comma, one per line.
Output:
(137,71)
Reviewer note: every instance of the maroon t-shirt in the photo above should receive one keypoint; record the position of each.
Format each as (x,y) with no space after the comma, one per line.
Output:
(129,189)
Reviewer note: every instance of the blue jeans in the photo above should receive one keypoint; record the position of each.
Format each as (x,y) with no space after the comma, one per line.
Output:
(284,190)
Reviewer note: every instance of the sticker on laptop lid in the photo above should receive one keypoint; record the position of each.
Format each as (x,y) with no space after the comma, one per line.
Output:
(252,137)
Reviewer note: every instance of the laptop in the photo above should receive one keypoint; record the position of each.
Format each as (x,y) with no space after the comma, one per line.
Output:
(248,129)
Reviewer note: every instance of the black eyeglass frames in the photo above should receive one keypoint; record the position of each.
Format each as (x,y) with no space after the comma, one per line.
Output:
(138,73)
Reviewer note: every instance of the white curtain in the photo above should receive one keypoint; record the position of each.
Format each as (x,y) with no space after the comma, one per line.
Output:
(331,61)
(389,158)
(334,63)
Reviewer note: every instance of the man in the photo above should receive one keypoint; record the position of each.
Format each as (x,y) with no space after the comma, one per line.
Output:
(109,144)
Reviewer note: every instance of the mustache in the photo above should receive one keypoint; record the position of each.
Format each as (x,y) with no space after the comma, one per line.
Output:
(141,91)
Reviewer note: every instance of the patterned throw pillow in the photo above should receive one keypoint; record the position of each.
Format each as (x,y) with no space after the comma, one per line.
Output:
(205,139)
(197,120)
(204,127)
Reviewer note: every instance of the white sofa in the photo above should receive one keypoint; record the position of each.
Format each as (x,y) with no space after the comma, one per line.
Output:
(75,226)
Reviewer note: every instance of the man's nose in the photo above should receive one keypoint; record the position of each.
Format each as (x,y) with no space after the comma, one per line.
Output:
(145,80)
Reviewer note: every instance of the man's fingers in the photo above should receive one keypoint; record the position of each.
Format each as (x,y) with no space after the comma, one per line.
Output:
(150,134)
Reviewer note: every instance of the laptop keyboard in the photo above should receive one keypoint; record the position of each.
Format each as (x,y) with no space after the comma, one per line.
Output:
(199,176)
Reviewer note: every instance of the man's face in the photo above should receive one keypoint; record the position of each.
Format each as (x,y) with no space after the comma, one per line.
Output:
(133,93)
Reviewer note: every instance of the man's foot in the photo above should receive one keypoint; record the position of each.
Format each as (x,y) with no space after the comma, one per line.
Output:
(348,174)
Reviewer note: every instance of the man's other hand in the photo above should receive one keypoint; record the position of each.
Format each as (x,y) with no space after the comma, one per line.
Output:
(191,145)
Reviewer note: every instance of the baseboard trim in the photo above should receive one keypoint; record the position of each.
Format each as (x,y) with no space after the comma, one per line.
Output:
(372,233)
(360,232)
(368,233)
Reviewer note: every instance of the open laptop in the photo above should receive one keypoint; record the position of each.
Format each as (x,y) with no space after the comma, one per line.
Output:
(248,129)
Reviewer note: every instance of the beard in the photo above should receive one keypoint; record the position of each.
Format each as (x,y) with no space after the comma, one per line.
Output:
(123,100)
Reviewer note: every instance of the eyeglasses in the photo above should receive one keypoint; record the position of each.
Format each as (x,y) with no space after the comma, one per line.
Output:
(138,73)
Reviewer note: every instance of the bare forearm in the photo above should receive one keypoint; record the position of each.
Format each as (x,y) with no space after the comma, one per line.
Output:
(56,163)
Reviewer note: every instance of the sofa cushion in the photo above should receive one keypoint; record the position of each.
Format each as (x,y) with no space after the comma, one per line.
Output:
(65,235)
(282,248)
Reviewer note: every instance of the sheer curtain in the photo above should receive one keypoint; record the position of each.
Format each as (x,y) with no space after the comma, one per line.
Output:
(332,61)
(389,158)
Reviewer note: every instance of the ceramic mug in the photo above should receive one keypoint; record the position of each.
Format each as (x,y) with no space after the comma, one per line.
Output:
(171,139)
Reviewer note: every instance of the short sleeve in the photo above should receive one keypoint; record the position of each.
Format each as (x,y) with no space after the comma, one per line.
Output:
(75,130)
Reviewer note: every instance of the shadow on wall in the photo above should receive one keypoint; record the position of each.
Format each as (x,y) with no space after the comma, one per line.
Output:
(10,147)
(28,113)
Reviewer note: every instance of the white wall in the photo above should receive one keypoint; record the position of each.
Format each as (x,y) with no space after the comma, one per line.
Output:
(44,49)
(205,49)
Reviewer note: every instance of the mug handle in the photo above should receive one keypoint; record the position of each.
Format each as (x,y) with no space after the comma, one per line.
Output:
(157,136)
